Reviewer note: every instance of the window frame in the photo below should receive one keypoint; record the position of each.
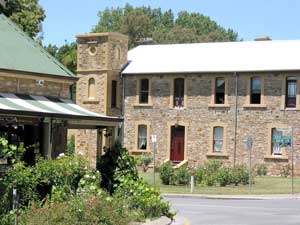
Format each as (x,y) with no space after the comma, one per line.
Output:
(138,88)
(136,142)
(216,90)
(182,102)
(214,139)
(213,103)
(283,92)
(211,153)
(172,86)
(294,81)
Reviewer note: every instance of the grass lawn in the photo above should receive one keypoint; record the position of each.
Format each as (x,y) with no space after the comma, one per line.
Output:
(262,185)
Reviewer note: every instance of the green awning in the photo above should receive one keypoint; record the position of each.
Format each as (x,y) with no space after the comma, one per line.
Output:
(34,105)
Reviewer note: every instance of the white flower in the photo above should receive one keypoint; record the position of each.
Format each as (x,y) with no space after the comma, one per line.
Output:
(86,176)
(80,153)
(94,177)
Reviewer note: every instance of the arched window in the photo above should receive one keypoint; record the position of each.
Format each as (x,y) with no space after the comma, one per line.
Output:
(142,136)
(91,88)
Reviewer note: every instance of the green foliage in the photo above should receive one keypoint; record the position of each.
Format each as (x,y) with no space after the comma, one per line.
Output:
(145,161)
(11,152)
(182,175)
(27,14)
(223,176)
(239,175)
(71,145)
(141,197)
(166,173)
(88,209)
(285,171)
(199,175)
(146,23)
(114,164)
(261,170)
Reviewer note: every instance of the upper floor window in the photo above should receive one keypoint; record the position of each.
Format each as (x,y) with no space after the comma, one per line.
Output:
(142,137)
(113,94)
(178,99)
(218,139)
(220,91)
(91,88)
(276,147)
(144,91)
(291,92)
(255,95)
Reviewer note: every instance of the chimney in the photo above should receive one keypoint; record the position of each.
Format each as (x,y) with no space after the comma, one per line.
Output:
(263,38)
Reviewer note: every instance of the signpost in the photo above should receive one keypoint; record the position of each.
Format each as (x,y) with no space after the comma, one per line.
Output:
(154,142)
(250,147)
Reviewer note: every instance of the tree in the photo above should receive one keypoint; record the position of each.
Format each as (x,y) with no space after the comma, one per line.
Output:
(27,14)
(145,23)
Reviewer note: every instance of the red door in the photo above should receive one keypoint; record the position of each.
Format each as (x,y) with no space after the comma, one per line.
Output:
(177,144)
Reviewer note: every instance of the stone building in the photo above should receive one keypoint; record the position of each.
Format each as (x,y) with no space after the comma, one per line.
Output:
(35,106)
(202,100)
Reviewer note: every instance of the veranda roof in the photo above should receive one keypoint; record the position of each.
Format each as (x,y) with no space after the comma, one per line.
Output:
(33,105)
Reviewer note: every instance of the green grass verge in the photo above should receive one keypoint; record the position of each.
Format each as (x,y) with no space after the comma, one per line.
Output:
(262,185)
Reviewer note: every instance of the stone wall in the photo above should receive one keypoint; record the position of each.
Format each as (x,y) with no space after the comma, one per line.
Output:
(12,83)
(200,118)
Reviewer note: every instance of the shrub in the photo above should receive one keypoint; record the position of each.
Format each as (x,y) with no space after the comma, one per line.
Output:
(87,209)
(223,176)
(146,159)
(167,173)
(116,163)
(261,170)
(71,145)
(198,175)
(285,171)
(182,175)
(140,196)
(210,171)
(239,175)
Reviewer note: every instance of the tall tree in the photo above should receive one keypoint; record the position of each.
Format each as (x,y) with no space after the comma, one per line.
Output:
(144,24)
(27,14)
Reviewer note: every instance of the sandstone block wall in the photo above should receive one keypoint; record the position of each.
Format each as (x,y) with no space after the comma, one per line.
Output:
(200,118)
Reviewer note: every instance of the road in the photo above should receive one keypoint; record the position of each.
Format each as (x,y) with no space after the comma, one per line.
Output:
(237,212)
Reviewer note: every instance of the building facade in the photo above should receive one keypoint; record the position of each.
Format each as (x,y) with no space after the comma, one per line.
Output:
(202,101)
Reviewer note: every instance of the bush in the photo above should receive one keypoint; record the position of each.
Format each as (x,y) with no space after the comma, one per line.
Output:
(71,145)
(182,175)
(146,159)
(261,170)
(140,196)
(239,175)
(167,173)
(198,175)
(285,171)
(223,176)
(116,163)
(87,209)
(210,171)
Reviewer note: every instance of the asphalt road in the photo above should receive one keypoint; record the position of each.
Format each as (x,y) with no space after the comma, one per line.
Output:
(237,212)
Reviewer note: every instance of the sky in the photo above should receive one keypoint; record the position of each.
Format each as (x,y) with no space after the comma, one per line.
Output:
(279,19)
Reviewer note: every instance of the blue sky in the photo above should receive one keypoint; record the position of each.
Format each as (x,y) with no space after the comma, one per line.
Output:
(279,19)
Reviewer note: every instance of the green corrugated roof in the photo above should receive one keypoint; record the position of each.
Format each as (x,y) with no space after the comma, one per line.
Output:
(19,52)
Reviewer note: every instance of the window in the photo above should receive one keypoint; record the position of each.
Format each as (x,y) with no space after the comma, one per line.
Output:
(291,92)
(255,95)
(276,148)
(91,89)
(142,137)
(220,91)
(144,91)
(218,139)
(178,99)
(113,94)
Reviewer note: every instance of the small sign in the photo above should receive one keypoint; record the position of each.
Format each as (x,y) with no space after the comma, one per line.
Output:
(282,140)
(153,138)
(249,143)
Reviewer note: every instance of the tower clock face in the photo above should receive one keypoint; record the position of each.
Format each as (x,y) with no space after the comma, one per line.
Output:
(92,50)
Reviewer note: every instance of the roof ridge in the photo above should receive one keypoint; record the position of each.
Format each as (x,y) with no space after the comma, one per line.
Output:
(37,46)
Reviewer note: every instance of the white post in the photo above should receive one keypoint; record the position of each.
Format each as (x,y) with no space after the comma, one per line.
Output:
(192,183)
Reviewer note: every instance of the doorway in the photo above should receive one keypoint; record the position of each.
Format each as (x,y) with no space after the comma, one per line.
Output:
(177,143)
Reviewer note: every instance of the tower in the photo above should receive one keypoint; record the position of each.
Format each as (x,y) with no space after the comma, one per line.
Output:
(100,57)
